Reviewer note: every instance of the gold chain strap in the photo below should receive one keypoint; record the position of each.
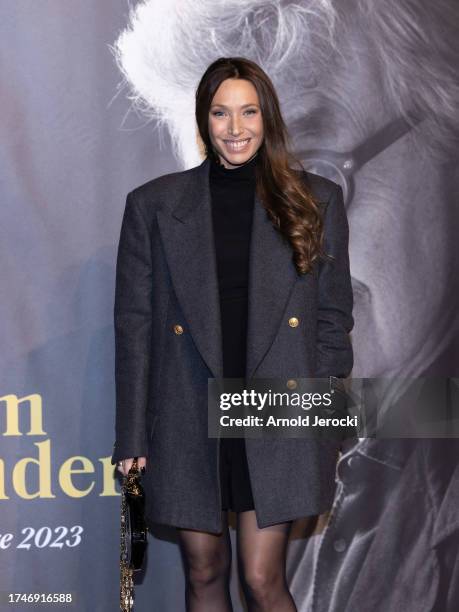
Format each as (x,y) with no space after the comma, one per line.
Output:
(126,574)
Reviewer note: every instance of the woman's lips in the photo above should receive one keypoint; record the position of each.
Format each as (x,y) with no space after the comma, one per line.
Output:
(237,146)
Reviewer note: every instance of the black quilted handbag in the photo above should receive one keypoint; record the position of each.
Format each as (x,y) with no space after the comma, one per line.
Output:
(134,529)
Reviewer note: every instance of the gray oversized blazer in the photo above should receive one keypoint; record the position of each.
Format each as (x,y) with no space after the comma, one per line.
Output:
(166,277)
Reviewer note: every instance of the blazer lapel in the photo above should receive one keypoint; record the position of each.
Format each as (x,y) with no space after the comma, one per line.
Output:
(272,276)
(188,239)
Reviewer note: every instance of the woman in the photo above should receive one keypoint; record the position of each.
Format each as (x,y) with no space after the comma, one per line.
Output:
(237,268)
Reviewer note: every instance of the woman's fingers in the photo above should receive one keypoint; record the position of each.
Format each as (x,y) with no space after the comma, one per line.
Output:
(125,465)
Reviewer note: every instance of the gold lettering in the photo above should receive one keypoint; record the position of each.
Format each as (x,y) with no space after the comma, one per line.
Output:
(108,480)
(65,476)
(44,473)
(24,473)
(3,494)
(34,402)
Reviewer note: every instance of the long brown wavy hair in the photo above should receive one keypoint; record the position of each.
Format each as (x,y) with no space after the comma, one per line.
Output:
(284,191)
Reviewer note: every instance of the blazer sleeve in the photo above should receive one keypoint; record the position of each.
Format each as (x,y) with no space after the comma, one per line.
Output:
(335,298)
(132,324)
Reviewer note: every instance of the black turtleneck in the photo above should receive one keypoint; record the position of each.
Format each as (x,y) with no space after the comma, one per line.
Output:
(232,194)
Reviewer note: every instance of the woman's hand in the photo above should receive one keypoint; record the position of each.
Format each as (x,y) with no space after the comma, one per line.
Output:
(125,465)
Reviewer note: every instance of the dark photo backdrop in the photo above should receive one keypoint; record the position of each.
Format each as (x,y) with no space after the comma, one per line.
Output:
(98,98)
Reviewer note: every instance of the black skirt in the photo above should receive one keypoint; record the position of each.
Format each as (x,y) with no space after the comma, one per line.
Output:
(234,476)
(236,490)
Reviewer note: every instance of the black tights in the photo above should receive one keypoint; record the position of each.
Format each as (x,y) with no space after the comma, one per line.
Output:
(261,557)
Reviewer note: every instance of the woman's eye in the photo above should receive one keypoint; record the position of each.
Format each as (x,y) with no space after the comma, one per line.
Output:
(220,113)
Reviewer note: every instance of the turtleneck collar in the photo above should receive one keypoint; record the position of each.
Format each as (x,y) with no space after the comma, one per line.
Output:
(244,172)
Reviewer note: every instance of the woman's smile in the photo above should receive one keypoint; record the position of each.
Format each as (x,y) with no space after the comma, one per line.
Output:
(237,146)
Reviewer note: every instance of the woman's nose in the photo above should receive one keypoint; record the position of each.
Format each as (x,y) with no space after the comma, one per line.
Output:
(235,128)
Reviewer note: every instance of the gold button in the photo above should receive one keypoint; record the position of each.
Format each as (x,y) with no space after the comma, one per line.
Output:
(293,322)
(291,384)
(178,329)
